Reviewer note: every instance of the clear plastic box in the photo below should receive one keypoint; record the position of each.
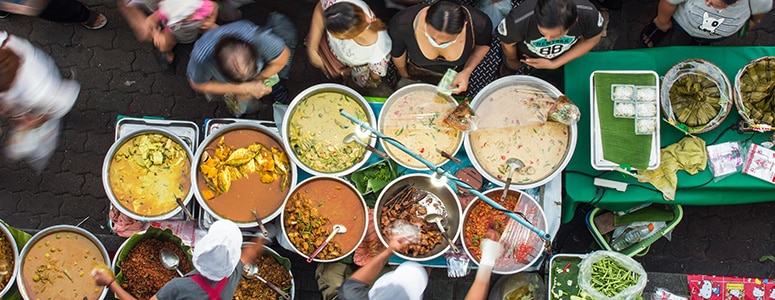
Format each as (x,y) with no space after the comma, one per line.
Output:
(646,93)
(645,125)
(620,92)
(622,108)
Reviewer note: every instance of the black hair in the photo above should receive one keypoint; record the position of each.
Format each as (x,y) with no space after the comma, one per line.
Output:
(730,2)
(446,16)
(342,18)
(555,13)
(230,50)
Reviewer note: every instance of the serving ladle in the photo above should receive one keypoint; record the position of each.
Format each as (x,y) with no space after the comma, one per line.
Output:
(514,164)
(338,228)
(170,260)
(434,212)
(354,138)
(251,270)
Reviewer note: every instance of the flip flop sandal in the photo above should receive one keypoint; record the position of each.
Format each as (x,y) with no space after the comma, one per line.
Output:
(652,34)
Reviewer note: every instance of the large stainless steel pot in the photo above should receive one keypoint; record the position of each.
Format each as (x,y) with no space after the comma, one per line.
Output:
(15,250)
(321,88)
(106,172)
(270,252)
(513,81)
(213,138)
(422,182)
(64,229)
(427,146)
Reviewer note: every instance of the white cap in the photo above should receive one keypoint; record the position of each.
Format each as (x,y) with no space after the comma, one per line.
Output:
(179,10)
(218,252)
(407,282)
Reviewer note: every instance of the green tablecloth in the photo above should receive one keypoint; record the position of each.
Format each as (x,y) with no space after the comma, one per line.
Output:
(736,189)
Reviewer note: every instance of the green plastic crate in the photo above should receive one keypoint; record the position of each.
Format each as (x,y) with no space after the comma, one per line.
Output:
(639,248)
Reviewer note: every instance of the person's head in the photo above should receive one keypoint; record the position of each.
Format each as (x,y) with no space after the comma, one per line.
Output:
(444,21)
(720,4)
(236,59)
(346,20)
(9,65)
(555,17)
(217,254)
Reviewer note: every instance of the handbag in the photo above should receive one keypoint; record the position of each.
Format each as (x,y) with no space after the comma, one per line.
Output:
(332,67)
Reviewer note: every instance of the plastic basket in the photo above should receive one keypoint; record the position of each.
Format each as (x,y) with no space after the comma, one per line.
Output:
(639,248)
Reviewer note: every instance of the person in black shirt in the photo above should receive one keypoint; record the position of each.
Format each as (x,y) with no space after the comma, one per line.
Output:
(547,34)
(429,39)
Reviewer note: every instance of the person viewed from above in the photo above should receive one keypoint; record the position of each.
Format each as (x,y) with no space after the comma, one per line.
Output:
(428,39)
(170,22)
(218,261)
(547,34)
(234,60)
(356,37)
(702,22)
(491,250)
(59,11)
(407,282)
(33,99)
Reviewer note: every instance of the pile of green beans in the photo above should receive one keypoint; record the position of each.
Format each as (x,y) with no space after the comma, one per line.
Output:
(611,278)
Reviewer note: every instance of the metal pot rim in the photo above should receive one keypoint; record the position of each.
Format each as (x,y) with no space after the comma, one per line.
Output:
(217,134)
(520,80)
(57,228)
(325,87)
(351,187)
(106,171)
(15,249)
(293,282)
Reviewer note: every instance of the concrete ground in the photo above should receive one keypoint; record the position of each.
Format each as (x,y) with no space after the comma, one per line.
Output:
(120,76)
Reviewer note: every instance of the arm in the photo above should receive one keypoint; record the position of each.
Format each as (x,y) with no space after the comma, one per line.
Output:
(252,251)
(461,80)
(316,31)
(274,66)
(665,11)
(511,54)
(400,63)
(491,250)
(369,272)
(581,48)
(107,279)
(254,88)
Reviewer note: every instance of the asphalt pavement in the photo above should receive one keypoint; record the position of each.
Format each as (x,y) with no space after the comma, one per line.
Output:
(120,76)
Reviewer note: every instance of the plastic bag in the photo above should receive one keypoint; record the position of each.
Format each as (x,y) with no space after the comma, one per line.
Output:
(457,264)
(663,294)
(496,10)
(35,145)
(585,275)
(725,159)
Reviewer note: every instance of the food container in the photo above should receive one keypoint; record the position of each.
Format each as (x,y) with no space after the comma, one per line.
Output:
(443,192)
(77,250)
(512,123)
(624,109)
(640,248)
(315,134)
(752,97)
(14,259)
(681,109)
(526,247)
(152,261)
(330,197)
(167,207)
(646,93)
(564,269)
(645,125)
(186,130)
(249,192)
(598,120)
(624,92)
(414,116)
(246,283)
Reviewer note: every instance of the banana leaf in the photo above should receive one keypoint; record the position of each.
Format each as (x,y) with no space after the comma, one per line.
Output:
(165,235)
(21,238)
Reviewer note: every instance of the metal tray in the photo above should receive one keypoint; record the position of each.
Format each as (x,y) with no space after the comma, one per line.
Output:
(596,153)
(186,130)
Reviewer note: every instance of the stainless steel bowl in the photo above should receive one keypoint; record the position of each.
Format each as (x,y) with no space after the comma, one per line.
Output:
(503,265)
(509,81)
(332,221)
(7,233)
(106,173)
(427,144)
(423,182)
(320,88)
(52,230)
(213,137)
(270,252)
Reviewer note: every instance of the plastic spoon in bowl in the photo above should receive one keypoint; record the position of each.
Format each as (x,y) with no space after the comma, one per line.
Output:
(251,270)
(514,164)
(170,260)
(338,228)
(354,138)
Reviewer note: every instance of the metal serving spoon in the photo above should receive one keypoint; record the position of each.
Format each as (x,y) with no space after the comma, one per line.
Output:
(354,138)
(338,228)
(260,224)
(170,260)
(514,164)
(435,212)
(251,270)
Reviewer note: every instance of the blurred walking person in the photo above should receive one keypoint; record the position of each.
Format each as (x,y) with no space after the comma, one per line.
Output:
(33,99)
(59,11)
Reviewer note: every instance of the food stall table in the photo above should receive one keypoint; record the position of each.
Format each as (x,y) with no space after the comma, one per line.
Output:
(699,189)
